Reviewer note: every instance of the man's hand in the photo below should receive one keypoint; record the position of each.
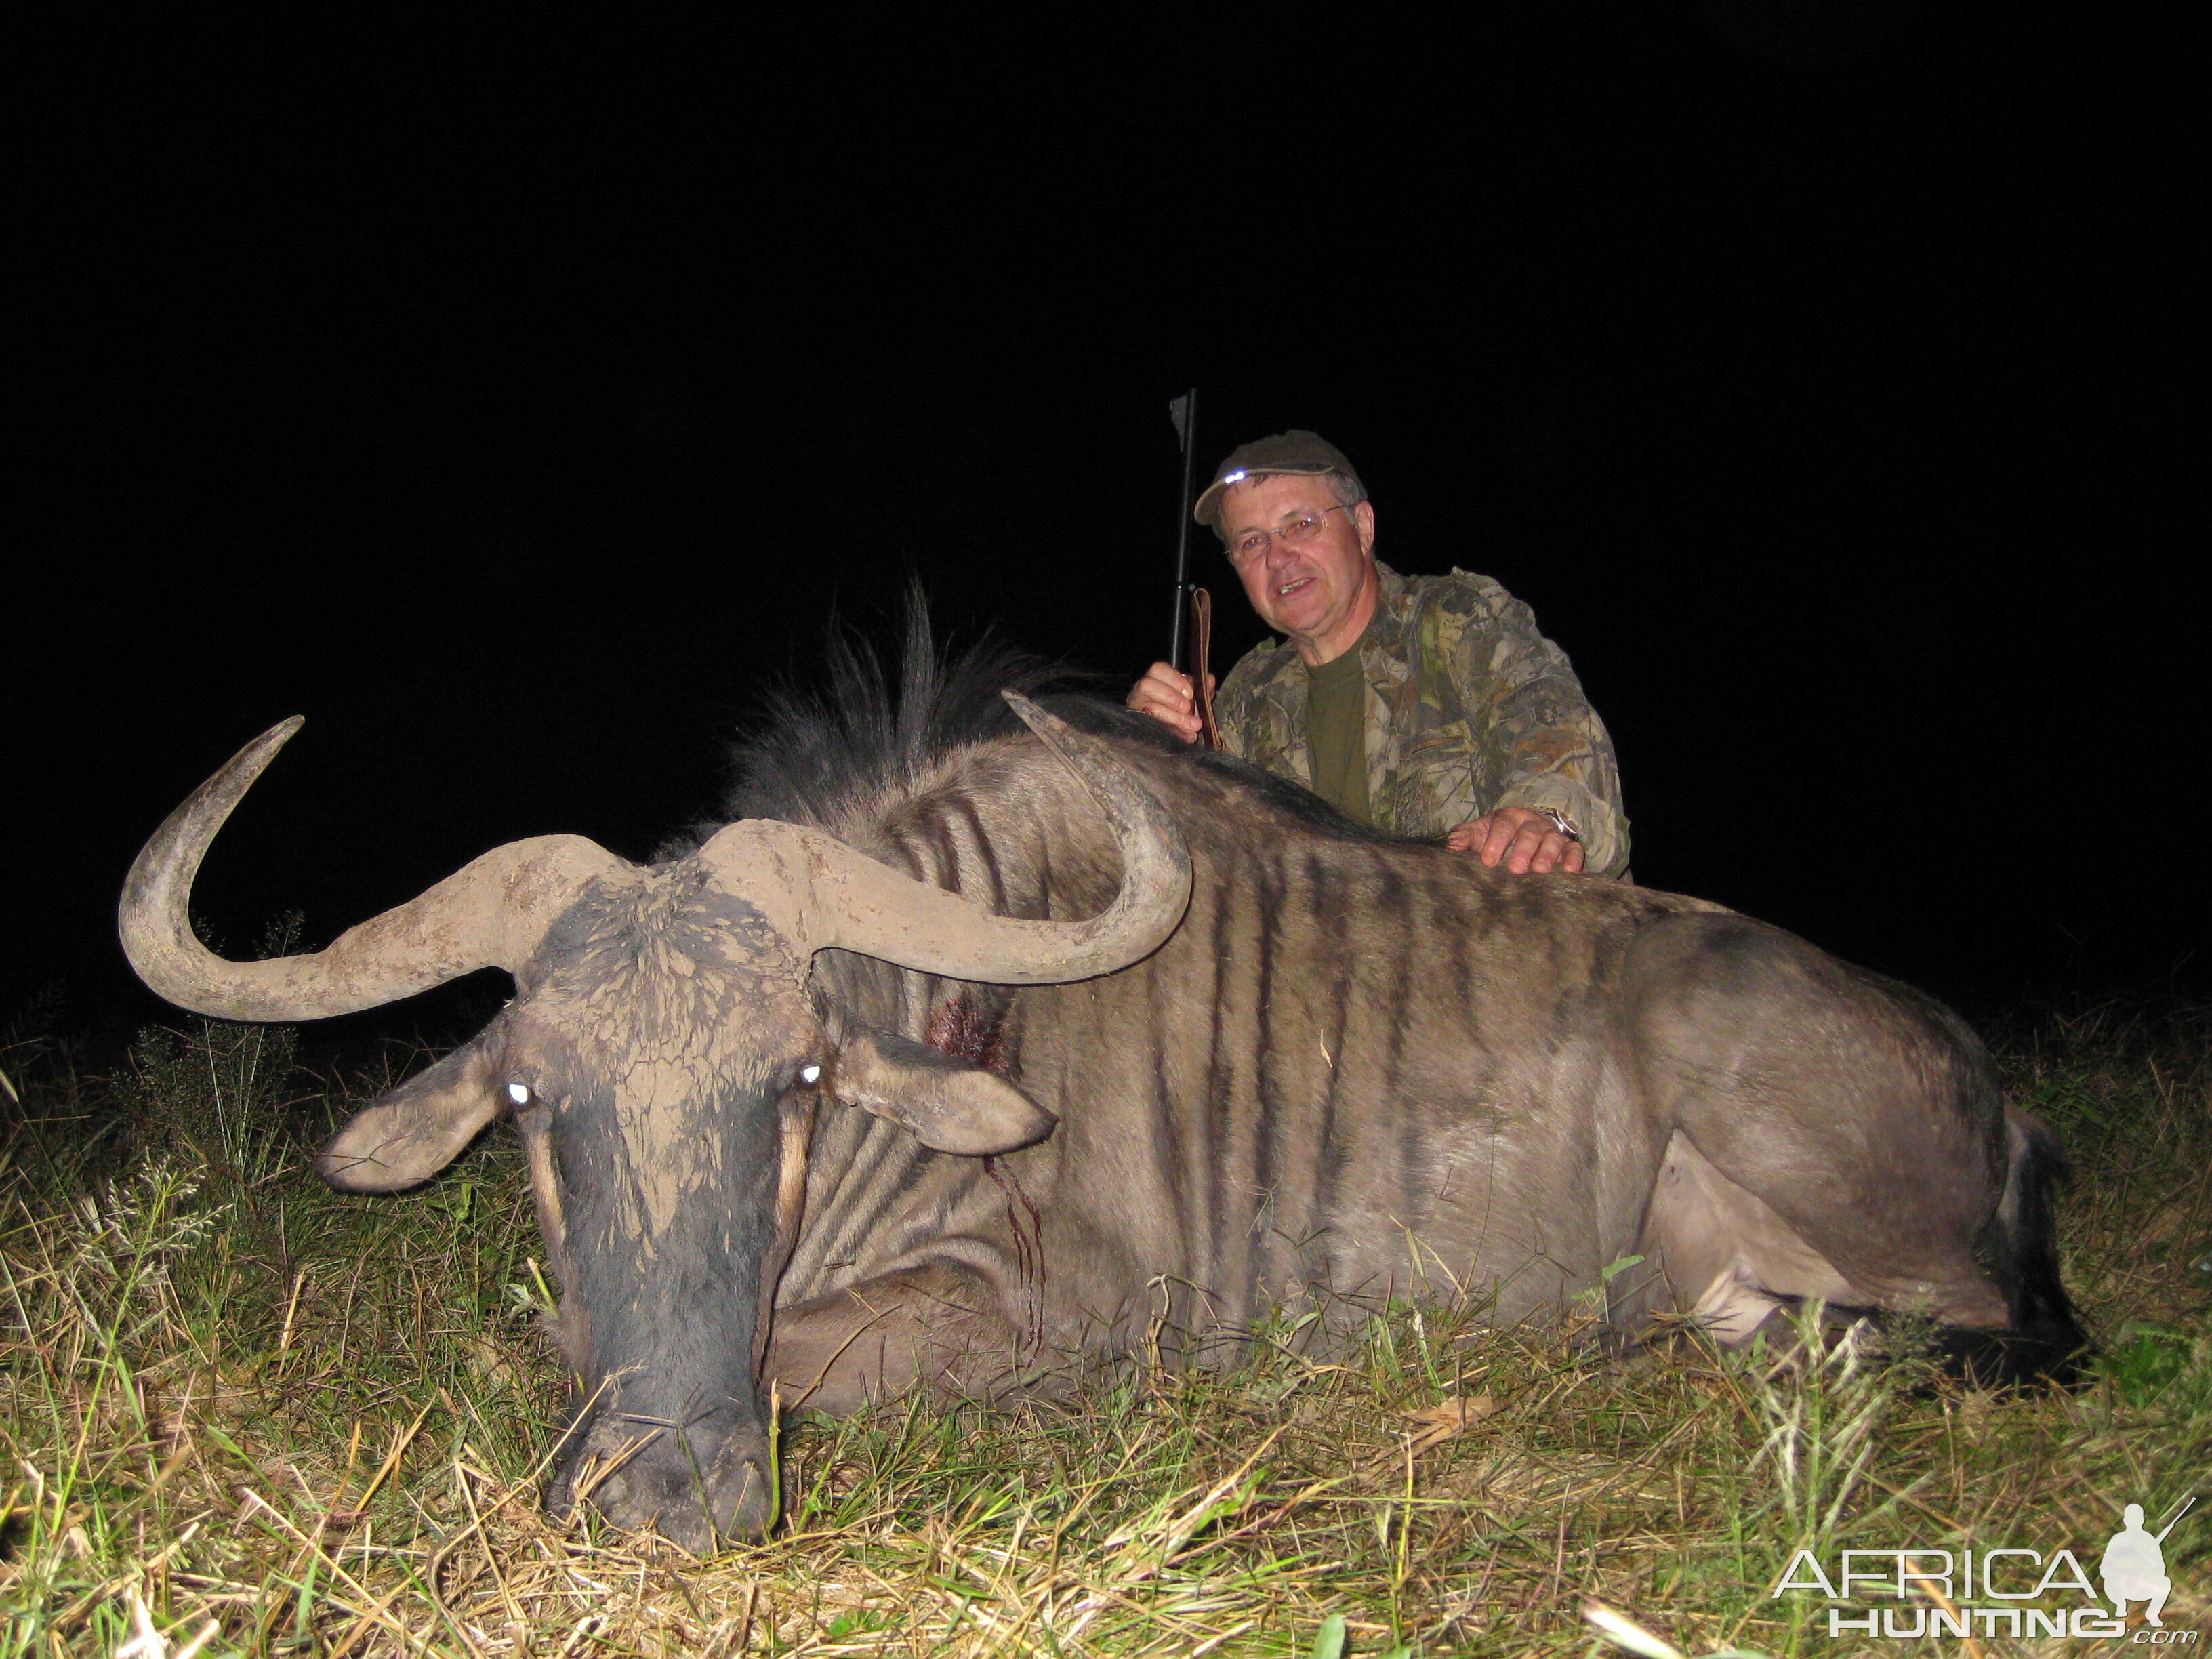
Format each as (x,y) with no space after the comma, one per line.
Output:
(1166,695)
(1527,841)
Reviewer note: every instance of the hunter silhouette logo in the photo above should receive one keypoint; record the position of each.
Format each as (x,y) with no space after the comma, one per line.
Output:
(2001,1591)
(2134,1567)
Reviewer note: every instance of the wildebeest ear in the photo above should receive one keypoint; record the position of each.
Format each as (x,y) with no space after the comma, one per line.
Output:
(945,1103)
(418,1129)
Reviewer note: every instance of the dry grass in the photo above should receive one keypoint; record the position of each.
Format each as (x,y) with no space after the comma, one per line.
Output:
(242,1412)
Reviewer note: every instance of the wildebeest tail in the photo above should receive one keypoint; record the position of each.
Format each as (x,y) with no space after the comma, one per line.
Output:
(2020,1247)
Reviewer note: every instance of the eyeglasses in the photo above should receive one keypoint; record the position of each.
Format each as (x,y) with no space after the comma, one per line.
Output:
(1253,544)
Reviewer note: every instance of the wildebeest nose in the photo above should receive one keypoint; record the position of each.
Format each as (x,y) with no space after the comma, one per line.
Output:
(692,1496)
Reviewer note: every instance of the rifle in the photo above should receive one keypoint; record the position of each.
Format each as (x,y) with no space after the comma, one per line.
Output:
(1183,412)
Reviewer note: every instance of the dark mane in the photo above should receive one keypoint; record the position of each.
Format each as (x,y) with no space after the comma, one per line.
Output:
(876,719)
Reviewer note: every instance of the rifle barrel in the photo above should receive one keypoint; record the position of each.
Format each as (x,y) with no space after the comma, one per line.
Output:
(2176,1522)
(1183,412)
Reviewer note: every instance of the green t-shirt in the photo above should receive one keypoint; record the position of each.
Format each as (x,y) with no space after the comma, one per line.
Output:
(1336,733)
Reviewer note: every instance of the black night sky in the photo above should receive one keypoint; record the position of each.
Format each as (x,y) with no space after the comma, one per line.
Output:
(511,407)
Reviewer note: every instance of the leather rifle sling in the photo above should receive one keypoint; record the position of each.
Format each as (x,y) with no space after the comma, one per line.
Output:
(1201,639)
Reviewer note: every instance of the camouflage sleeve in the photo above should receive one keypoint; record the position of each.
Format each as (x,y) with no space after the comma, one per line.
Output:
(1554,750)
(1235,708)
(1244,708)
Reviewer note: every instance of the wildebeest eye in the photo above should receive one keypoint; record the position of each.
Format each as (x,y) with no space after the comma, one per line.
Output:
(518,1093)
(809,1072)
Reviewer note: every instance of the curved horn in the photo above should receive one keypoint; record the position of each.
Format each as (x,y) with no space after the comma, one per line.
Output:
(490,914)
(859,905)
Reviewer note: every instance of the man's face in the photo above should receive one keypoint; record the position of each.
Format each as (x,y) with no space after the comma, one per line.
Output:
(1320,591)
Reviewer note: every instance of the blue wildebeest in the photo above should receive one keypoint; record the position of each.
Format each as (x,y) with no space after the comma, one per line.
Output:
(968,1050)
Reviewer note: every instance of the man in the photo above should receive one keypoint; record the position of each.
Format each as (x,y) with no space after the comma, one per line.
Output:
(1424,705)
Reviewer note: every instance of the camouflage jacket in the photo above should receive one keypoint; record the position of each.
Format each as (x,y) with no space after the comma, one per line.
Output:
(1469,708)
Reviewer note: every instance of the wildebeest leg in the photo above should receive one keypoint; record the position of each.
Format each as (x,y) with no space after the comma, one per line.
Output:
(938,1326)
(1727,1257)
(1835,1134)
(571,1327)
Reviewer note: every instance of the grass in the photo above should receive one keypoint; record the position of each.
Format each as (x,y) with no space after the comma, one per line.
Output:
(241,1413)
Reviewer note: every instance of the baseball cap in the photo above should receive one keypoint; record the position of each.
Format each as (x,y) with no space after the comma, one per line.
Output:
(1286,452)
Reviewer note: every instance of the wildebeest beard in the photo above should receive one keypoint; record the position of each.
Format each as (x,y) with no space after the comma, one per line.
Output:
(666,1046)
